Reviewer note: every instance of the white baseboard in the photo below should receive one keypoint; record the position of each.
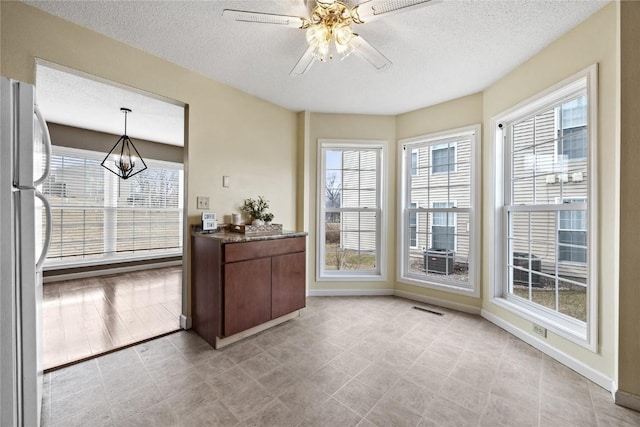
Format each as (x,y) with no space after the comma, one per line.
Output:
(567,360)
(437,301)
(108,271)
(349,292)
(185,322)
(627,400)
(223,342)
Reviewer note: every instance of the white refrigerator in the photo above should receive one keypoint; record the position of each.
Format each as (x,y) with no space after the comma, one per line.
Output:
(25,151)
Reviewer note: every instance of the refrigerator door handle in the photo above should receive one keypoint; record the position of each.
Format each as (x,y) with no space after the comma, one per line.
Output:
(47,146)
(47,237)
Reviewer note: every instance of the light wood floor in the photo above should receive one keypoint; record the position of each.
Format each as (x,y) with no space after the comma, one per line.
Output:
(86,317)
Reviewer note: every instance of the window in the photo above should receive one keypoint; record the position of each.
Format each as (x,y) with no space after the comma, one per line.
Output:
(414,162)
(572,234)
(440,235)
(443,227)
(443,158)
(572,132)
(96,216)
(547,236)
(350,199)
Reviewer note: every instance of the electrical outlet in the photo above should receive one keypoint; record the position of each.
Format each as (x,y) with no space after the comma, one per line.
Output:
(203,202)
(540,331)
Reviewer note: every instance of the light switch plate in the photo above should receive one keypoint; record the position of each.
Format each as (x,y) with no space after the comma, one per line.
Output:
(226,182)
(203,202)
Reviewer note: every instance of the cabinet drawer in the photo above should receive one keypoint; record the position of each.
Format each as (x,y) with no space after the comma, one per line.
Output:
(262,248)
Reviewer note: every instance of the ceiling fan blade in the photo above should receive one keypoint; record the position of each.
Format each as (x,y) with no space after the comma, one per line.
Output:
(374,9)
(304,63)
(264,18)
(370,53)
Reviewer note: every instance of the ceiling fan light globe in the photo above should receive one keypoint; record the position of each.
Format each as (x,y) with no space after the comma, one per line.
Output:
(321,52)
(317,35)
(344,50)
(343,34)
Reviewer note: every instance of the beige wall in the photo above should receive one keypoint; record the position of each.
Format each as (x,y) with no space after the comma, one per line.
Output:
(229,132)
(354,127)
(593,41)
(629,316)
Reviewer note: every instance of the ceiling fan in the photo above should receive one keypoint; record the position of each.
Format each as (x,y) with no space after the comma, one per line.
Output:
(329,31)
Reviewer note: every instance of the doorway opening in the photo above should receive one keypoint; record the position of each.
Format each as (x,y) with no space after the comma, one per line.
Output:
(113,275)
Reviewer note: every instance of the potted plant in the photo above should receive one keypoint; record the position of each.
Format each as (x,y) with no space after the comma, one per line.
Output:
(256,208)
(267,217)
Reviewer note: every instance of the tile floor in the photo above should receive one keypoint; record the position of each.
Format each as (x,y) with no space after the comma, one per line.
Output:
(86,317)
(346,361)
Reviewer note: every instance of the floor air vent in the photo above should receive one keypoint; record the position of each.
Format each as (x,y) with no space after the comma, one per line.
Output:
(427,310)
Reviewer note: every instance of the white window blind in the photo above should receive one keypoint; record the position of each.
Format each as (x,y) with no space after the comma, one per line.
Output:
(97,215)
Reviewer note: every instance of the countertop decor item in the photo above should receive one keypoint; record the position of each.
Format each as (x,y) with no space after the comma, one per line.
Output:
(124,159)
(256,208)
(256,229)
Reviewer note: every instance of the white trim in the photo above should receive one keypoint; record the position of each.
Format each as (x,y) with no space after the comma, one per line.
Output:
(451,287)
(439,302)
(475,209)
(115,259)
(627,400)
(347,276)
(562,325)
(108,271)
(185,322)
(349,292)
(381,240)
(569,361)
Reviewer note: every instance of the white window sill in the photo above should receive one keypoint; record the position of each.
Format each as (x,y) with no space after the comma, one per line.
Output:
(374,277)
(563,326)
(446,287)
(116,259)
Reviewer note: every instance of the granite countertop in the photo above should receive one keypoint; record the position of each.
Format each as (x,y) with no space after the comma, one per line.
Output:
(231,237)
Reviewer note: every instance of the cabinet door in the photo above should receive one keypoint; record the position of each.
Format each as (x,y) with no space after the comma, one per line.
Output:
(247,294)
(287,284)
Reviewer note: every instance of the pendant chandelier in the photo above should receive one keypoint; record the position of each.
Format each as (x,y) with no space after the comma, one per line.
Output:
(124,159)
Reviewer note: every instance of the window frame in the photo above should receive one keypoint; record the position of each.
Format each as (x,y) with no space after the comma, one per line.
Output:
(584,334)
(413,235)
(379,274)
(475,221)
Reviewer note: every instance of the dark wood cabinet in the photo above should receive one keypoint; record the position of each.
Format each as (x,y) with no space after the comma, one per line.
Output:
(247,295)
(287,272)
(237,286)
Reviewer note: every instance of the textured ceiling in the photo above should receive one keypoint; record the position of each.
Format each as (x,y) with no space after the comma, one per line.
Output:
(84,102)
(440,52)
